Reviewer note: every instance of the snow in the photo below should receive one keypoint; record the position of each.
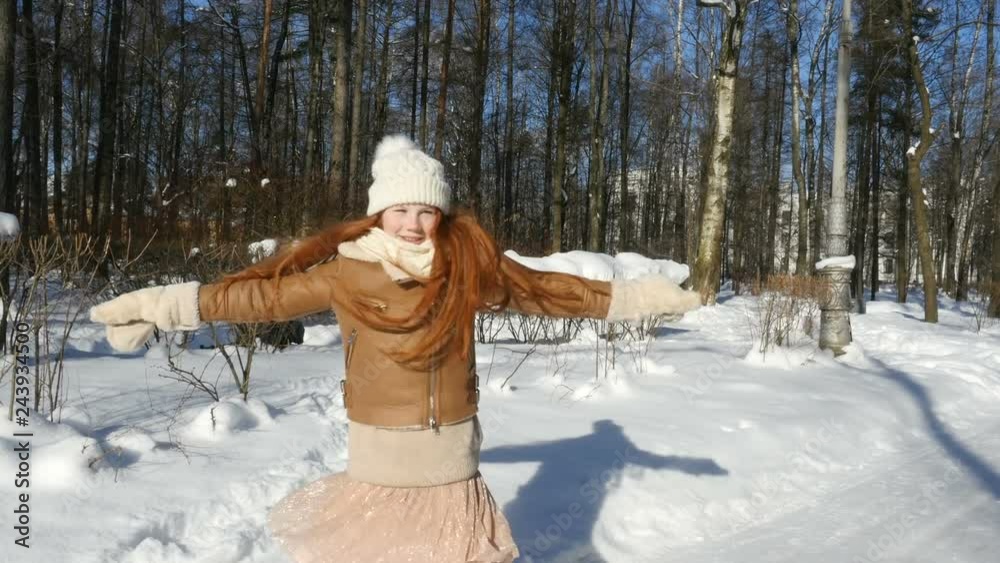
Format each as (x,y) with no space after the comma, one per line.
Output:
(263,248)
(695,451)
(10,227)
(600,266)
(222,419)
(231,183)
(836,262)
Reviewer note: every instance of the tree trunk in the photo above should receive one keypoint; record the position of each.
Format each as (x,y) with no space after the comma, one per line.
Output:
(903,211)
(505,228)
(8,26)
(914,157)
(625,218)
(57,120)
(360,46)
(994,309)
(339,192)
(802,267)
(876,207)
(819,215)
(265,39)
(109,107)
(598,122)
(774,183)
(272,88)
(36,208)
(443,90)
(382,88)
(424,71)
(225,229)
(314,114)
(178,129)
(708,265)
(481,59)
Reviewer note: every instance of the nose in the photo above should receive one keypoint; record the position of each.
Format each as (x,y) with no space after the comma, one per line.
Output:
(411,222)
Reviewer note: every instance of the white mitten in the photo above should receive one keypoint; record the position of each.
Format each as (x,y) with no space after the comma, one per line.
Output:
(648,295)
(132,316)
(126,338)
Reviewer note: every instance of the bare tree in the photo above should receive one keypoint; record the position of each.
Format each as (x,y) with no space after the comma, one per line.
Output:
(443,88)
(914,156)
(314,115)
(357,102)
(339,193)
(481,61)
(708,265)
(563,51)
(598,108)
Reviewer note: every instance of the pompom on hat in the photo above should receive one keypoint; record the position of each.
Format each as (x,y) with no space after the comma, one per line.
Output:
(404,174)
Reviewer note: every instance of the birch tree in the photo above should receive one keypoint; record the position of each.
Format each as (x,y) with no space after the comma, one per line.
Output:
(708,264)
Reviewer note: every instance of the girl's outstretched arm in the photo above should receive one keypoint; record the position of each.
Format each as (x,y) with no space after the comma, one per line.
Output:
(260,300)
(132,316)
(559,294)
(556,294)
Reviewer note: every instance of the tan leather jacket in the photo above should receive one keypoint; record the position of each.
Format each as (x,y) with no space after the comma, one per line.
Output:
(377,390)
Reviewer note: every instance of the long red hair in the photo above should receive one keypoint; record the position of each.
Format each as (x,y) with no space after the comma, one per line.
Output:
(468,274)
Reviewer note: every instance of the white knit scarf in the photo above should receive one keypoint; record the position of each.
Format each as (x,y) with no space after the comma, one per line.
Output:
(402,260)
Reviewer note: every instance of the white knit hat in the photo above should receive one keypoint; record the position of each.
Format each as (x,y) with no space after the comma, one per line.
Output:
(405,174)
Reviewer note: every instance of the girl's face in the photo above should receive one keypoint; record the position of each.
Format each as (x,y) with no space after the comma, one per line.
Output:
(412,222)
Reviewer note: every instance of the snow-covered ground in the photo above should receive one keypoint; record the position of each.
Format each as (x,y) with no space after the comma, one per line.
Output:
(691,454)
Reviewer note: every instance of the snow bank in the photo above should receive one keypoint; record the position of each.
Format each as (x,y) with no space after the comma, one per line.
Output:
(320,335)
(226,418)
(60,457)
(9,226)
(836,262)
(600,266)
(263,249)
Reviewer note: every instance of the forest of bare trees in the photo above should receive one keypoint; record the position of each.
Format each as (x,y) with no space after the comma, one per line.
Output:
(700,131)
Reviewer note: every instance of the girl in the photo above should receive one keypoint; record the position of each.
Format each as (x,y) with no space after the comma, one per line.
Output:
(405,283)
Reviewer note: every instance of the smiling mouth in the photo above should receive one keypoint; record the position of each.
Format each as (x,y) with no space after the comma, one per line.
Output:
(415,240)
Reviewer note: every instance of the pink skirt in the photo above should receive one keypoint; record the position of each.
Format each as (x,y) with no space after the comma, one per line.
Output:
(337,519)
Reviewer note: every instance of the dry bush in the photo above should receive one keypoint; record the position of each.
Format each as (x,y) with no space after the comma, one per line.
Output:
(49,283)
(981,299)
(786,310)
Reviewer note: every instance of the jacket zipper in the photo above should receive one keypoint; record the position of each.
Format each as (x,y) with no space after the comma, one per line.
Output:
(433,418)
(350,345)
(347,363)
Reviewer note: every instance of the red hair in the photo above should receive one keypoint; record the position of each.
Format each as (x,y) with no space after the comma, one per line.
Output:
(468,275)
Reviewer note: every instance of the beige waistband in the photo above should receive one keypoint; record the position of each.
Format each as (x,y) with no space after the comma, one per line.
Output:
(413,458)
